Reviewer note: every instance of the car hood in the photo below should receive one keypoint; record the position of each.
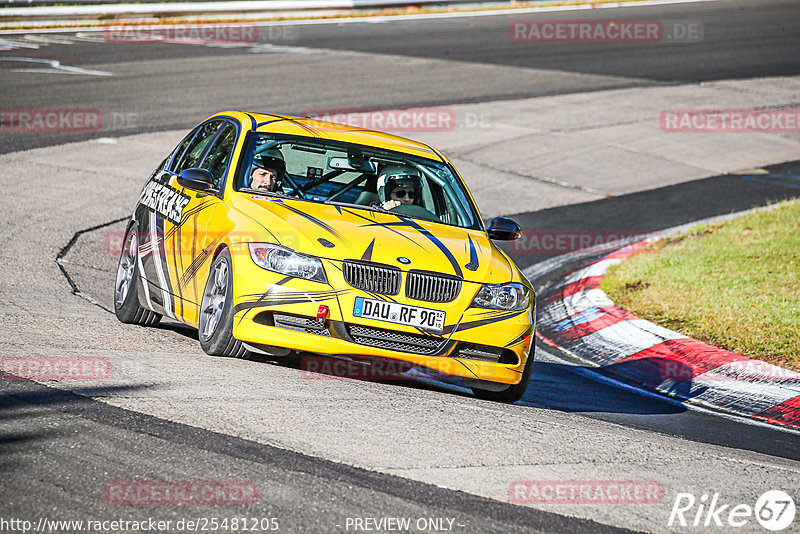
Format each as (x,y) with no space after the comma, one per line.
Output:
(343,232)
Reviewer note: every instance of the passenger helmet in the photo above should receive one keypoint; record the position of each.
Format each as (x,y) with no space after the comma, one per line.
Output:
(392,176)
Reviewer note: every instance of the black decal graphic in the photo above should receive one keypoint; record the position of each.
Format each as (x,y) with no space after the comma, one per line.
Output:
(473,257)
(164,200)
(367,256)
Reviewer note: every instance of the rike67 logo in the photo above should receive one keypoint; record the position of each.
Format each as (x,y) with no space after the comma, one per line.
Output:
(774,510)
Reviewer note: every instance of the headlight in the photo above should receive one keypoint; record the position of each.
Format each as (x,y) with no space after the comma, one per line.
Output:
(511,296)
(286,261)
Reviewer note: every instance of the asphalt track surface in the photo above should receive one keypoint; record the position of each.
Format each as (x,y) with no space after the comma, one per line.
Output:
(58,447)
(306,494)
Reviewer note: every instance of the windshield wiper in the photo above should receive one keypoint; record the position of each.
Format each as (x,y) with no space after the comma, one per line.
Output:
(279,194)
(370,207)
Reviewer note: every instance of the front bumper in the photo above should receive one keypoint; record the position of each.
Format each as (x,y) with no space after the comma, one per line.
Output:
(273,310)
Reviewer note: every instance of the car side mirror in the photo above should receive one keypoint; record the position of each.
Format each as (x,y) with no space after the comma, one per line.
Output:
(196,179)
(503,229)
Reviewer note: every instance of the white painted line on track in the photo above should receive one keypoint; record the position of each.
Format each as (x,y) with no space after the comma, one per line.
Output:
(55,67)
(49,39)
(6,45)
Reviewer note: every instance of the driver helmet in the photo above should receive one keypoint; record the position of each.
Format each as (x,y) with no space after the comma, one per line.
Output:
(270,159)
(392,176)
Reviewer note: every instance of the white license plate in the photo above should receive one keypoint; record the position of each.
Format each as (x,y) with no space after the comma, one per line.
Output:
(393,312)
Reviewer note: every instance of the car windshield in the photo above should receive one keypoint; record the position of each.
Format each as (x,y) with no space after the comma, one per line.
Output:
(363,177)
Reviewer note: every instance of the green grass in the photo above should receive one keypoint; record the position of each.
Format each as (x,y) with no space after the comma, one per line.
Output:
(735,285)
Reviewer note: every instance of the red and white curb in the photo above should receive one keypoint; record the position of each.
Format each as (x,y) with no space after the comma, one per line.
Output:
(579,318)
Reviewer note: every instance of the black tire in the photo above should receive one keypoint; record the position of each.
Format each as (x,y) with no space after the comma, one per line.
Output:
(513,393)
(216,338)
(126,299)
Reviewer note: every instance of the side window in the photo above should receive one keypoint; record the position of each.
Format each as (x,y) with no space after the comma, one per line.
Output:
(159,169)
(181,148)
(197,146)
(220,154)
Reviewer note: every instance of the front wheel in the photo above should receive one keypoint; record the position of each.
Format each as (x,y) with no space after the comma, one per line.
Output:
(216,311)
(513,393)
(126,286)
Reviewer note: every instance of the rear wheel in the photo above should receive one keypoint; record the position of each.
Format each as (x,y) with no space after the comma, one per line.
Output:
(216,311)
(126,286)
(513,393)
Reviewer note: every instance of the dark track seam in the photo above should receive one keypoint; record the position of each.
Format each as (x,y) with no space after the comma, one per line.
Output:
(63,252)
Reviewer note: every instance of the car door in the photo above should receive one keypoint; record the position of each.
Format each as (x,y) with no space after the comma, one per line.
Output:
(195,253)
(176,231)
(160,209)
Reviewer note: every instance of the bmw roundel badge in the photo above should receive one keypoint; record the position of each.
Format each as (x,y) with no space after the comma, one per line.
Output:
(403,260)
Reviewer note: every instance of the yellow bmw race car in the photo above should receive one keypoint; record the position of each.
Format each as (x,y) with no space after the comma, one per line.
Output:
(277,234)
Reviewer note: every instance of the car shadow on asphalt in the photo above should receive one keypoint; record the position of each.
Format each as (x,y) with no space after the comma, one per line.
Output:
(571,388)
(553,386)
(556,386)
(179,328)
